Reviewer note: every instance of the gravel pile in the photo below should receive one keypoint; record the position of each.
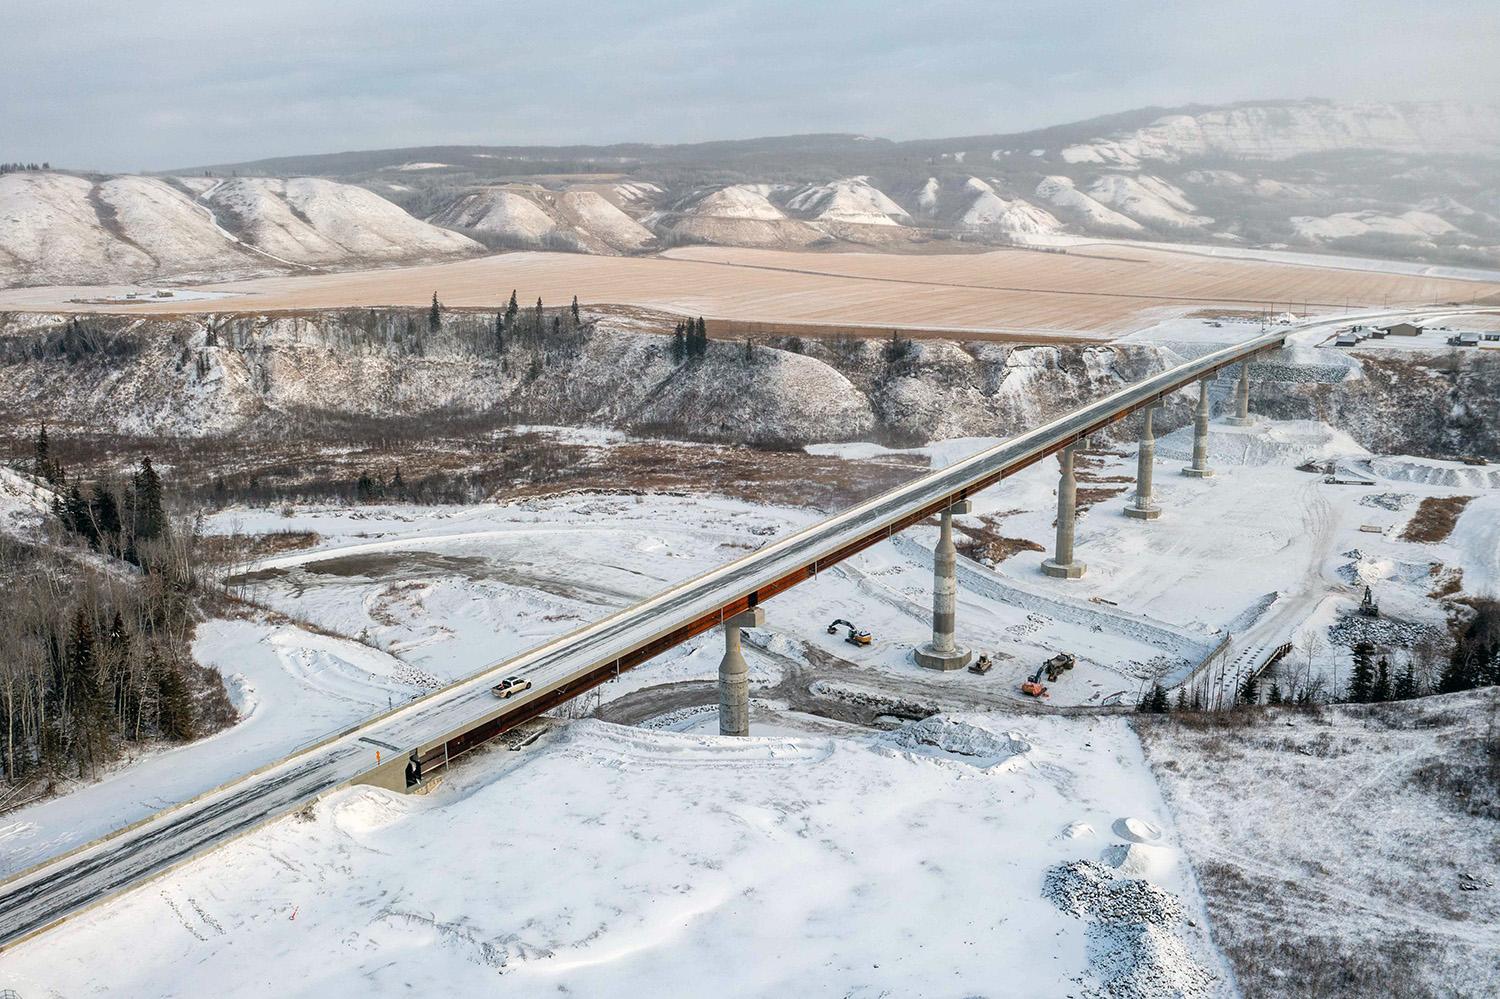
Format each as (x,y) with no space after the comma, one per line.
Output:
(1380,631)
(1091,890)
(1133,949)
(1387,501)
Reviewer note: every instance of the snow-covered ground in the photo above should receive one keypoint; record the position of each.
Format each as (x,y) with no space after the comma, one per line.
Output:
(1332,848)
(607,861)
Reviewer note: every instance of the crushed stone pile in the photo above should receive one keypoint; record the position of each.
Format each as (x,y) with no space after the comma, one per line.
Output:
(960,738)
(1134,951)
(1091,890)
(1379,631)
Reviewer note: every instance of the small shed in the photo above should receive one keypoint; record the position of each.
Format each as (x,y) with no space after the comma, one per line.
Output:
(1404,329)
(1346,340)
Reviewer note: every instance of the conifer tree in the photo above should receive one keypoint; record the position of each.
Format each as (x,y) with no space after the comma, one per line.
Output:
(1274,697)
(575,310)
(1159,705)
(150,520)
(435,315)
(499,332)
(41,456)
(679,344)
(1380,690)
(1182,699)
(1250,690)
(537,321)
(511,310)
(1406,684)
(176,706)
(1362,677)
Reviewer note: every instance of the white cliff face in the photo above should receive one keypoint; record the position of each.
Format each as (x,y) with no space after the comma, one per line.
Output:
(990,211)
(1275,132)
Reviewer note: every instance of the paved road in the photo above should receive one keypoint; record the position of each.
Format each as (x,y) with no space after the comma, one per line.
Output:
(57,889)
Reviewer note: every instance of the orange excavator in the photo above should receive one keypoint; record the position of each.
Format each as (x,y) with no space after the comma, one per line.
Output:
(1054,668)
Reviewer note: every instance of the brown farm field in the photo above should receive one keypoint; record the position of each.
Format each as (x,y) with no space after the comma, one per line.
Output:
(1093,290)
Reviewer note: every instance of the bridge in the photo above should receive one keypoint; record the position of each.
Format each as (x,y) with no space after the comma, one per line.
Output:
(426,734)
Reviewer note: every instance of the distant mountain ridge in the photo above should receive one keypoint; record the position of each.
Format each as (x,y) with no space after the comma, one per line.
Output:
(1409,181)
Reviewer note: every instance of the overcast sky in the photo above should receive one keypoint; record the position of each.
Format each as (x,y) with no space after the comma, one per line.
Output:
(153,84)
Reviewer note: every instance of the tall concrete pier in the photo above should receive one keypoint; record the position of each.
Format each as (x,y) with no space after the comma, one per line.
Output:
(1199,468)
(1241,417)
(734,674)
(943,651)
(1142,508)
(1061,563)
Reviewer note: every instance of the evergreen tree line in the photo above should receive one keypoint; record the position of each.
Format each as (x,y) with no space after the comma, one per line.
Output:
(1475,661)
(120,520)
(22,167)
(690,340)
(91,659)
(92,663)
(530,327)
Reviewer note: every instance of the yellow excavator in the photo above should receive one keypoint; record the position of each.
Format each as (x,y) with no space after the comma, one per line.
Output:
(854,637)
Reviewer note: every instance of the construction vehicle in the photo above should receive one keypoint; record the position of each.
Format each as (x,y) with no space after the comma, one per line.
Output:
(1058,665)
(1055,667)
(981,666)
(854,637)
(1368,607)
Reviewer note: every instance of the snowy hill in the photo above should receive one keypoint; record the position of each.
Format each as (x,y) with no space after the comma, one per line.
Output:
(1280,131)
(63,229)
(853,200)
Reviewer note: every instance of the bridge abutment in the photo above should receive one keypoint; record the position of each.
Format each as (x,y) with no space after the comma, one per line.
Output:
(1062,564)
(734,674)
(943,652)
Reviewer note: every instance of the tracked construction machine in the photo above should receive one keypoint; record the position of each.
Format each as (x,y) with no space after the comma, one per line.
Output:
(1053,668)
(854,637)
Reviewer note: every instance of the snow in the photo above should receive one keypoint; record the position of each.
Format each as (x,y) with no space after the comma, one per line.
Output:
(852,200)
(1280,131)
(1476,539)
(989,210)
(928,195)
(498,211)
(1147,199)
(1059,191)
(605,861)
(1409,224)
(738,201)
(599,218)
(423,166)
(1336,830)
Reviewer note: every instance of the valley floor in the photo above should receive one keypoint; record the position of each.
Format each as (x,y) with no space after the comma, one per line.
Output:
(605,859)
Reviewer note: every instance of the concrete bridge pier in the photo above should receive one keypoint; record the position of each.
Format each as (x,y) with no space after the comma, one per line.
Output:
(1199,468)
(1242,417)
(734,674)
(1061,564)
(943,652)
(1142,508)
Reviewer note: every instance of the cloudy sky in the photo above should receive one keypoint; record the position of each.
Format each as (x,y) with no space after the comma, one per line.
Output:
(153,84)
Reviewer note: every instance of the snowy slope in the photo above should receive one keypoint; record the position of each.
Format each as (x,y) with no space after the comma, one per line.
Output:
(57,228)
(614,862)
(1060,192)
(601,222)
(1410,224)
(738,201)
(852,200)
(1146,199)
(1274,132)
(989,210)
(51,233)
(498,212)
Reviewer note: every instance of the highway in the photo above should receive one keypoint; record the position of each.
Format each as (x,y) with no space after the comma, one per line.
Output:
(459,716)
